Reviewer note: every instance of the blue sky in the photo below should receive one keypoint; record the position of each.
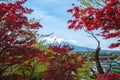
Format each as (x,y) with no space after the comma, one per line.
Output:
(53,16)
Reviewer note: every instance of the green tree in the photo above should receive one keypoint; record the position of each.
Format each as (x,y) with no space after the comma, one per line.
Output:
(91,3)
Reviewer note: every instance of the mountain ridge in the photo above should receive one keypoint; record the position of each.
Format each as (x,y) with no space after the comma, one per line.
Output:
(84,49)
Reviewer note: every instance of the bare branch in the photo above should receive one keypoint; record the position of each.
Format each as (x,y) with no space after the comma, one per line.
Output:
(98,3)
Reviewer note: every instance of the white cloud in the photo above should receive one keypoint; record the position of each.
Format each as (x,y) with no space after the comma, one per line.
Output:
(72,41)
(54,39)
(59,40)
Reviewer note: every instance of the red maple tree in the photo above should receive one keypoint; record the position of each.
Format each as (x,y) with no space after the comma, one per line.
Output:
(106,18)
(108,76)
(62,64)
(16,35)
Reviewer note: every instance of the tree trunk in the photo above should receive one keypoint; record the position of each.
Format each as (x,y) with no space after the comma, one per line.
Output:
(97,60)
(97,51)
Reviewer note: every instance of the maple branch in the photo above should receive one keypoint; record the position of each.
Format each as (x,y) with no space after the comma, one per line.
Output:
(95,39)
(93,72)
(92,34)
